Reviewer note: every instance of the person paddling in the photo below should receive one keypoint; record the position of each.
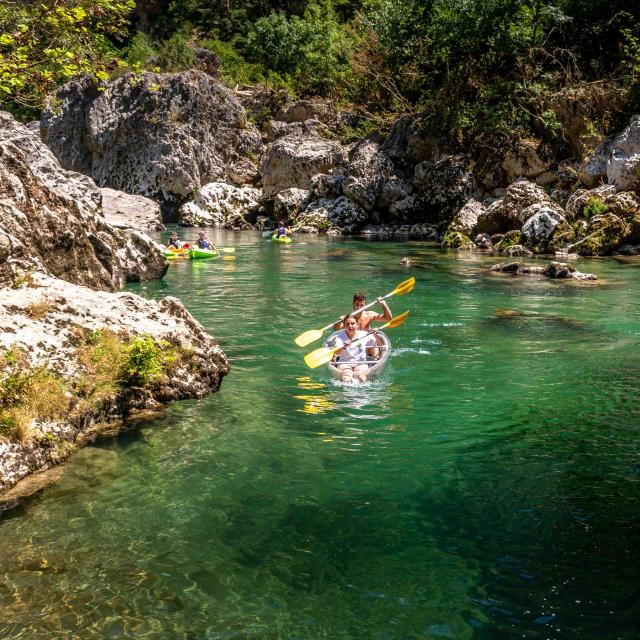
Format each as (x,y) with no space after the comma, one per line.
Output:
(204,243)
(353,354)
(174,241)
(281,230)
(365,318)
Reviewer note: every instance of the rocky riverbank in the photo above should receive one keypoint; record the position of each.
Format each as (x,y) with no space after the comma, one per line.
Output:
(76,354)
(198,152)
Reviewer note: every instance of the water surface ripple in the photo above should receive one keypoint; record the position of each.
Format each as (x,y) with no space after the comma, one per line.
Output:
(485,487)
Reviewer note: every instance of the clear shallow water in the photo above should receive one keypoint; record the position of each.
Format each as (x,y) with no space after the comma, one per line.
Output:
(485,487)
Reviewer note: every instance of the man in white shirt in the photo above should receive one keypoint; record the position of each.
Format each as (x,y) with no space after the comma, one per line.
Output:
(351,360)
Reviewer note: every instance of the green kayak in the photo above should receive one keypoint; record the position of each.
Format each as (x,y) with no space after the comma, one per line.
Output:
(282,239)
(202,254)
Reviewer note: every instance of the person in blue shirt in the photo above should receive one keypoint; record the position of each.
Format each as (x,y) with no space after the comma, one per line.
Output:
(203,243)
(281,230)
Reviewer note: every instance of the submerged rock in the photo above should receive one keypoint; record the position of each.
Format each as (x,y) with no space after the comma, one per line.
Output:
(552,270)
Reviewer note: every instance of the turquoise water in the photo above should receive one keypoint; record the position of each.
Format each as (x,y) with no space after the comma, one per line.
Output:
(484,487)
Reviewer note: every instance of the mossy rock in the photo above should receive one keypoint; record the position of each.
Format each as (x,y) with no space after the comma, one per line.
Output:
(456,240)
(606,234)
(563,235)
(510,239)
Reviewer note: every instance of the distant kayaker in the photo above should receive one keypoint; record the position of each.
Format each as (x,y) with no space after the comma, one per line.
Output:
(354,354)
(174,241)
(204,243)
(281,230)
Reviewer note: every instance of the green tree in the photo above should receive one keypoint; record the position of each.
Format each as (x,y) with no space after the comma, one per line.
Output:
(43,44)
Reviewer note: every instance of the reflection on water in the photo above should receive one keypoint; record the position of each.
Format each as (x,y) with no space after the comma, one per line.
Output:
(483,487)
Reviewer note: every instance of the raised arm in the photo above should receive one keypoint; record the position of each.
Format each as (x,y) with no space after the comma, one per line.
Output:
(386,315)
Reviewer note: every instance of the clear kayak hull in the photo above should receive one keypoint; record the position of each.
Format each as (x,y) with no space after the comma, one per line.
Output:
(375,365)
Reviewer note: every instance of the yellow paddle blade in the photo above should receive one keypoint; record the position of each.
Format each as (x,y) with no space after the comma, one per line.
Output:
(308,337)
(405,287)
(228,249)
(395,322)
(228,258)
(312,335)
(319,356)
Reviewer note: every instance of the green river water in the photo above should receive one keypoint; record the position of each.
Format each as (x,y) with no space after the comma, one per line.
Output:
(484,487)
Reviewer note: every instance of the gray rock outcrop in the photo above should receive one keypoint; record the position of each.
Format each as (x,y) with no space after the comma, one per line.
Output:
(221,205)
(158,135)
(441,188)
(53,337)
(336,216)
(289,202)
(51,221)
(623,167)
(368,170)
(125,211)
(292,160)
(512,211)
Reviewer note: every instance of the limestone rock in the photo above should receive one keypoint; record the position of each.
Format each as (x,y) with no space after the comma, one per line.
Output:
(584,202)
(594,168)
(327,186)
(552,270)
(512,211)
(124,211)
(604,233)
(303,110)
(483,241)
(159,135)
(563,235)
(314,128)
(466,219)
(539,228)
(624,204)
(219,204)
(517,251)
(243,172)
(289,202)
(341,214)
(456,240)
(441,188)
(368,170)
(393,190)
(51,220)
(408,143)
(292,160)
(51,338)
(623,167)
(527,160)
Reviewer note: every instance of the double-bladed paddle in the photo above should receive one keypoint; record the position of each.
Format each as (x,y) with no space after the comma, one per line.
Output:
(324,354)
(314,334)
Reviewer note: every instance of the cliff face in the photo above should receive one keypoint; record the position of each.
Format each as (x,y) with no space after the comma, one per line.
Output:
(51,221)
(158,135)
(74,354)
